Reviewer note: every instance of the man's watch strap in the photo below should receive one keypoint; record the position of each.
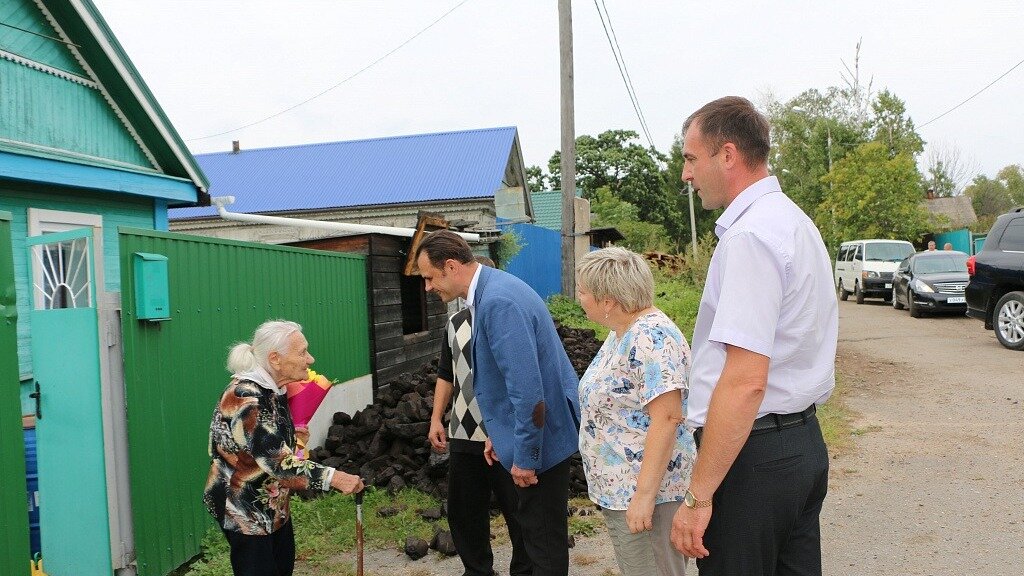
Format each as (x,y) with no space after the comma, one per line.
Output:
(691,501)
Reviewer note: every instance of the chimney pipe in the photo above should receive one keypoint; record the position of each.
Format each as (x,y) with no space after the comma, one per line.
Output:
(235,148)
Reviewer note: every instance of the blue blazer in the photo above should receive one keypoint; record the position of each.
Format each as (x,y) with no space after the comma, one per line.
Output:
(518,364)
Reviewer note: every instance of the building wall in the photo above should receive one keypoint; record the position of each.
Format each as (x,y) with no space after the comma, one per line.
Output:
(393,352)
(116,210)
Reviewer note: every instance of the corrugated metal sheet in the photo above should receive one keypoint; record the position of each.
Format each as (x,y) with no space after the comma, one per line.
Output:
(174,370)
(539,261)
(14,550)
(418,168)
(547,208)
(28,35)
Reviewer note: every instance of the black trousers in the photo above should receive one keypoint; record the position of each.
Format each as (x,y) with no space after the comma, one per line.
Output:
(543,518)
(470,483)
(765,515)
(272,555)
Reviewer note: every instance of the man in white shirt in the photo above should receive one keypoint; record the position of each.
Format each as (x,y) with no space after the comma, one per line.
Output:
(763,358)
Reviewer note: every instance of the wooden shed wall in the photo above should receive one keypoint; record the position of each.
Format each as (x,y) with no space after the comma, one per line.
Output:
(393,352)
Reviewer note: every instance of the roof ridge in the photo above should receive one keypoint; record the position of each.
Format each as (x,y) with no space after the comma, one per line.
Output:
(376,138)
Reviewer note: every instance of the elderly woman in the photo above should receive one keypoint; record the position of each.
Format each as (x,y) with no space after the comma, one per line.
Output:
(637,454)
(252,443)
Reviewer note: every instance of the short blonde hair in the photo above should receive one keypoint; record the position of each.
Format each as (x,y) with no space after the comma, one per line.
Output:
(618,274)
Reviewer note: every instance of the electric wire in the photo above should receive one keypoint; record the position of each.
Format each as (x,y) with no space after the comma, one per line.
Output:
(971,97)
(643,118)
(54,38)
(350,77)
(620,63)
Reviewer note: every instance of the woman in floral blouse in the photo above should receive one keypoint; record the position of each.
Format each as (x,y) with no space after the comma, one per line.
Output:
(252,443)
(636,451)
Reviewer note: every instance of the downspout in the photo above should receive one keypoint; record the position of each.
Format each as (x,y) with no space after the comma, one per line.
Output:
(349,228)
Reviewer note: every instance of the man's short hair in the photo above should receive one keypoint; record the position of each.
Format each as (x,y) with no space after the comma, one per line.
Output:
(733,119)
(444,245)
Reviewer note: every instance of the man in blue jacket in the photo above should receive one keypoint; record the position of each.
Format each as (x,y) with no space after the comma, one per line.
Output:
(525,386)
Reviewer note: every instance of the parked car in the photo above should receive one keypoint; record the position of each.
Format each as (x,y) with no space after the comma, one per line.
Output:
(864,267)
(995,293)
(931,281)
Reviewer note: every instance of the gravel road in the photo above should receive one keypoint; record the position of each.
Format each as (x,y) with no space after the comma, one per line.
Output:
(933,483)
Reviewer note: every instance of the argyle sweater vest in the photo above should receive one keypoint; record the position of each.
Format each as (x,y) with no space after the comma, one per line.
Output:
(466,422)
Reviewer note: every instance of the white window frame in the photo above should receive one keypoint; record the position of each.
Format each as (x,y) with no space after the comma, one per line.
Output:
(42,221)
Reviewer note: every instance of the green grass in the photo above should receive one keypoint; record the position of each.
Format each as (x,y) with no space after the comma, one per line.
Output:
(834,418)
(674,296)
(325,528)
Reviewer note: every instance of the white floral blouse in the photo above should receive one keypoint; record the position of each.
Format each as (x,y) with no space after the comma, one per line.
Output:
(650,359)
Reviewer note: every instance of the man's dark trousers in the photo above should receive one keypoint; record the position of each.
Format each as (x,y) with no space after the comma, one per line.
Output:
(543,518)
(764,519)
(470,483)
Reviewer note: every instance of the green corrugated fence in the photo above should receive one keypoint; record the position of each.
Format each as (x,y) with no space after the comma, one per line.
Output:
(220,290)
(14,550)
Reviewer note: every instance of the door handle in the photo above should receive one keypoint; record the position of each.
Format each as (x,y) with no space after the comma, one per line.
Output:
(38,398)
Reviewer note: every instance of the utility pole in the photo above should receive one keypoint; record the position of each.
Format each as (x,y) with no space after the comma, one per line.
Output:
(693,221)
(568,150)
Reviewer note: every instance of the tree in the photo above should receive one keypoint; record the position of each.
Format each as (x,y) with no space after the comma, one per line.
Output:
(610,210)
(893,127)
(988,197)
(948,171)
(874,196)
(675,191)
(632,173)
(537,180)
(1013,178)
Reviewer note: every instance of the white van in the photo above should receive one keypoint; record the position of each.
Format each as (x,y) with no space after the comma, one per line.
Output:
(865,267)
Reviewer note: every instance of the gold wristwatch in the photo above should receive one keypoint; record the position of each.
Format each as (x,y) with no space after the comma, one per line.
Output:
(691,501)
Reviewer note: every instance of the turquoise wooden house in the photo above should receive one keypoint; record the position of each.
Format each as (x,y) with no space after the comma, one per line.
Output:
(84,149)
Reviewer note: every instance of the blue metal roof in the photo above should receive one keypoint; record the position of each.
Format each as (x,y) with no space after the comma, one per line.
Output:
(401,169)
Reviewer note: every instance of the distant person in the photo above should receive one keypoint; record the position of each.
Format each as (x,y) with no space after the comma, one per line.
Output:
(470,479)
(947,246)
(764,352)
(252,448)
(525,386)
(637,453)
(931,245)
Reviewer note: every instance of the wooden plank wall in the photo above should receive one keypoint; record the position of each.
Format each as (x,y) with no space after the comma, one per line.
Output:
(393,352)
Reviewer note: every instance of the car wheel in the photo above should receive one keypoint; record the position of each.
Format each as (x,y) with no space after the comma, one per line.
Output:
(843,294)
(915,312)
(896,301)
(858,293)
(1009,320)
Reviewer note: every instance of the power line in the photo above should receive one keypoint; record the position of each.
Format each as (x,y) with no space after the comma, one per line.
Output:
(971,97)
(621,64)
(643,119)
(54,38)
(319,94)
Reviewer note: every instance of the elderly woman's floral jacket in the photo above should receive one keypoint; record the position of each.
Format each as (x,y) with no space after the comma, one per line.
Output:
(253,468)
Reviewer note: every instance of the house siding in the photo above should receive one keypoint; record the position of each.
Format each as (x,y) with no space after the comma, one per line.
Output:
(116,210)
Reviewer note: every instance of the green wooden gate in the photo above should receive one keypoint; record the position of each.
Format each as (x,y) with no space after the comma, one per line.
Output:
(220,290)
(14,551)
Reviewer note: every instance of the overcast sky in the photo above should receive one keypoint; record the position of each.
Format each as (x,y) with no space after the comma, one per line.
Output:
(218,65)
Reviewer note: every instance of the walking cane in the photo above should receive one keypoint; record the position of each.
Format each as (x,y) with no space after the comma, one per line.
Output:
(359,533)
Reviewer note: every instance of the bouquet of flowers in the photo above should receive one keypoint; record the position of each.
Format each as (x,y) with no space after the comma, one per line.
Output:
(304,397)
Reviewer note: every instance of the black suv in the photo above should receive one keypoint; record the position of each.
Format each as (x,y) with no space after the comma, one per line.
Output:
(995,293)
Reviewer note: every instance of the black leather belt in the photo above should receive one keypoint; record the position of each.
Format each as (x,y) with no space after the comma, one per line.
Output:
(770,422)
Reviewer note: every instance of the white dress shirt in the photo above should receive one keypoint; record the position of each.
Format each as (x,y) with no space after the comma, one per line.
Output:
(769,290)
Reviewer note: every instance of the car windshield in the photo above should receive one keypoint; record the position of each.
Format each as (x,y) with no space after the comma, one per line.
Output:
(941,263)
(887,251)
